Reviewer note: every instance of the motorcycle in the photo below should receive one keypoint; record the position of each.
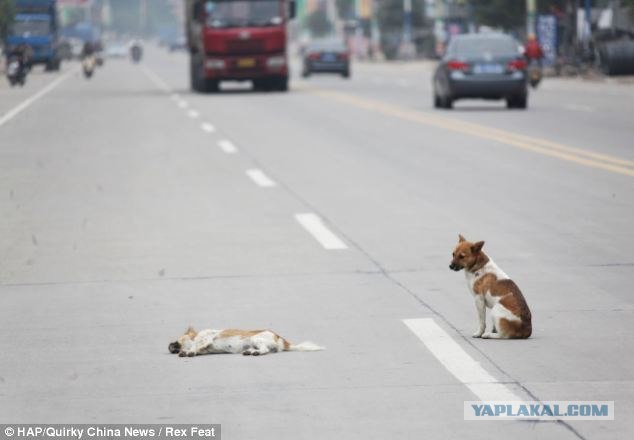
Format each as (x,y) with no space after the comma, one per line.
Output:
(136,52)
(16,72)
(88,64)
(535,74)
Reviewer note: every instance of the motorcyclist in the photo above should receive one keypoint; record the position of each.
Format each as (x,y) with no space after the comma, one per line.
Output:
(136,50)
(88,50)
(533,50)
(22,54)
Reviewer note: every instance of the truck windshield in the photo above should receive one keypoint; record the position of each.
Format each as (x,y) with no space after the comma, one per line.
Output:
(229,13)
(31,27)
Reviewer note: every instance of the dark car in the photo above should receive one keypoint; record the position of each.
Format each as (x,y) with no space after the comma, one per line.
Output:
(487,66)
(326,57)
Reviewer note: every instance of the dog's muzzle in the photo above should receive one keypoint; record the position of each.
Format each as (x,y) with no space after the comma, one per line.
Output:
(174,347)
(454,266)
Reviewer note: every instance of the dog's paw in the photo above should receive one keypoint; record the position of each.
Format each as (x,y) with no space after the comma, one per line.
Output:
(490,335)
(182,354)
(247,352)
(477,334)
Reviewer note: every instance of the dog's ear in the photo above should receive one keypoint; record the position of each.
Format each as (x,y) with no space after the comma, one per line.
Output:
(477,247)
(191,332)
(461,238)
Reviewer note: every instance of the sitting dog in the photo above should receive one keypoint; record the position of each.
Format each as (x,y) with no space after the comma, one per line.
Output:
(247,342)
(492,288)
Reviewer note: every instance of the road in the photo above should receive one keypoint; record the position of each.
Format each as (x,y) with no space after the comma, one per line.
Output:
(132,208)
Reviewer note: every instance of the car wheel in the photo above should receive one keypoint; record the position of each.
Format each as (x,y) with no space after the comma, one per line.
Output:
(305,74)
(517,101)
(437,103)
(346,74)
(447,102)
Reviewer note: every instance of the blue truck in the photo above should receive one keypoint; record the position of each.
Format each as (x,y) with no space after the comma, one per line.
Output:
(35,25)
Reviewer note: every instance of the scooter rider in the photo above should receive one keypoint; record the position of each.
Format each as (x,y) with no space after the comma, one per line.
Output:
(533,50)
(136,51)
(21,53)
(88,50)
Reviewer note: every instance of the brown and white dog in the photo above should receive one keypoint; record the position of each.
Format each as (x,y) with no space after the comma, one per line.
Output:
(247,342)
(492,289)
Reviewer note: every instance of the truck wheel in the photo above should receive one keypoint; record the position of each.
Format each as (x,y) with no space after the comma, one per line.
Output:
(211,85)
(194,75)
(52,65)
(282,84)
(259,85)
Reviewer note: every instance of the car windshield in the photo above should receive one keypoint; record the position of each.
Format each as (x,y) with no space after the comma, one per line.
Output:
(477,47)
(227,13)
(334,46)
(31,27)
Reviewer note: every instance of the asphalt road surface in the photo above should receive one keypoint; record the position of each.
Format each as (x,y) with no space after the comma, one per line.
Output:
(132,208)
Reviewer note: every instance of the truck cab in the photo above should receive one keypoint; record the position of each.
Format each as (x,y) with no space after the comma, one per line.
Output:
(238,40)
(35,25)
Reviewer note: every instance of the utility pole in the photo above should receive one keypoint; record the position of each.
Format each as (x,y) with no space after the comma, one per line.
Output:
(407,48)
(143,17)
(407,21)
(531,8)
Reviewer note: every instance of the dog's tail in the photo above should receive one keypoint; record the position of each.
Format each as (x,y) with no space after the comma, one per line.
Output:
(304,346)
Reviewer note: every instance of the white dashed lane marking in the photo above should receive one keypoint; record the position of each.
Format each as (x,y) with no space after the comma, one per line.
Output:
(227,146)
(206,126)
(315,226)
(260,178)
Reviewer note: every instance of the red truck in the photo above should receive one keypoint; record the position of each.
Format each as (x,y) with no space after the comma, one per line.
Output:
(238,40)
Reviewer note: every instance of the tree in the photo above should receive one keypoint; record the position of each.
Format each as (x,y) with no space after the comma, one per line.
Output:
(390,18)
(7,11)
(346,8)
(499,13)
(629,4)
(318,23)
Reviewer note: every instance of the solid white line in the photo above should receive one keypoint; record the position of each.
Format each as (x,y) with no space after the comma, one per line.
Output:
(193,114)
(260,178)
(458,362)
(206,126)
(578,108)
(314,225)
(227,146)
(30,100)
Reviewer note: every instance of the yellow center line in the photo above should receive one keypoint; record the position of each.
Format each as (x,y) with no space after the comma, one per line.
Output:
(537,145)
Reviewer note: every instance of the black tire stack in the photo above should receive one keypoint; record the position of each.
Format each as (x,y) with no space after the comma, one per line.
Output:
(617,57)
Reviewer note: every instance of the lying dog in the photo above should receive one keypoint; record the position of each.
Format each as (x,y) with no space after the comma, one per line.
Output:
(492,288)
(247,342)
